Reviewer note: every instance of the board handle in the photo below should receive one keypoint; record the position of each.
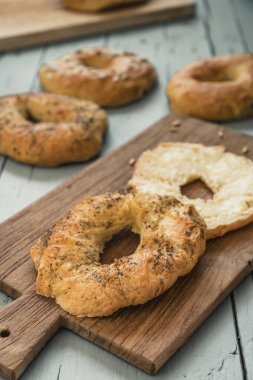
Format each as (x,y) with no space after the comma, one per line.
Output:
(26,325)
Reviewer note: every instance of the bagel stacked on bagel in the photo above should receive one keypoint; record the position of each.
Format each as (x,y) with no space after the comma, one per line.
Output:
(97,5)
(104,76)
(67,258)
(219,88)
(49,130)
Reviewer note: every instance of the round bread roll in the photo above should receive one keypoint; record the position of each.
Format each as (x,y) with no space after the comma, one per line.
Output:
(67,258)
(166,168)
(104,76)
(97,5)
(219,88)
(49,130)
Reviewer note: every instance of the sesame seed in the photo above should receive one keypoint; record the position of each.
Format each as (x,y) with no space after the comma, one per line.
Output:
(132,161)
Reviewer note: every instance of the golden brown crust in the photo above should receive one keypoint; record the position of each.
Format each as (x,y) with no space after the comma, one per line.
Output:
(104,76)
(219,88)
(169,166)
(172,237)
(49,130)
(97,5)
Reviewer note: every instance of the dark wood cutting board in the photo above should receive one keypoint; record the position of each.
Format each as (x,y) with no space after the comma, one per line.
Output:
(147,335)
(25,22)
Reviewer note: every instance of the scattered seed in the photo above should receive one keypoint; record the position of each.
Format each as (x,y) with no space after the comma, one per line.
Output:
(176,123)
(131,161)
(174,129)
(221,134)
(244,149)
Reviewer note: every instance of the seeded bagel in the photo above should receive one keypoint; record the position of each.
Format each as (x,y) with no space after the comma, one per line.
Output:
(104,76)
(67,258)
(219,88)
(49,130)
(169,166)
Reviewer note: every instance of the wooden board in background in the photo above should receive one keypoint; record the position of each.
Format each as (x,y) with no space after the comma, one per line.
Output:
(25,23)
(145,335)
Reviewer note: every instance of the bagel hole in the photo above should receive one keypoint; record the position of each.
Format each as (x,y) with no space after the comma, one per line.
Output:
(124,243)
(217,77)
(96,62)
(197,189)
(30,117)
(117,64)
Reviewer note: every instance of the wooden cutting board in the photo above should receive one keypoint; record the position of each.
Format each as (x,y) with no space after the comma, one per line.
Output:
(147,335)
(24,22)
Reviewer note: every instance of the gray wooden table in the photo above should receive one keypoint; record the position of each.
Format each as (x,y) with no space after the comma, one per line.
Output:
(223,347)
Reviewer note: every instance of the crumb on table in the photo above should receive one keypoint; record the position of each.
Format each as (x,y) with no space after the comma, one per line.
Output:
(244,149)
(221,134)
(176,123)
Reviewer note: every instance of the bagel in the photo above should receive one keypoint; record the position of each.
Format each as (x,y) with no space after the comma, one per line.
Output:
(104,76)
(67,258)
(49,130)
(169,166)
(219,88)
(96,5)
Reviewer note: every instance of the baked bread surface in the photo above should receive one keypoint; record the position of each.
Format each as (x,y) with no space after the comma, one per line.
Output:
(105,76)
(67,258)
(169,166)
(49,130)
(219,88)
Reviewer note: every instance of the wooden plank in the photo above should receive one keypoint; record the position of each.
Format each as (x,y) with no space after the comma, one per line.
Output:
(186,43)
(15,176)
(11,179)
(229,30)
(26,324)
(124,123)
(244,9)
(131,119)
(149,334)
(202,348)
(244,310)
(70,357)
(223,28)
(27,27)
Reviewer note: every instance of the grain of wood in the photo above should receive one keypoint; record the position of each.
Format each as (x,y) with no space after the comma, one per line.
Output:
(145,335)
(225,31)
(215,340)
(186,43)
(153,44)
(244,11)
(26,27)
(15,176)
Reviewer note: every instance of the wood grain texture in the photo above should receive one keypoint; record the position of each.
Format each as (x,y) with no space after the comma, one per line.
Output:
(213,351)
(146,335)
(229,26)
(26,27)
